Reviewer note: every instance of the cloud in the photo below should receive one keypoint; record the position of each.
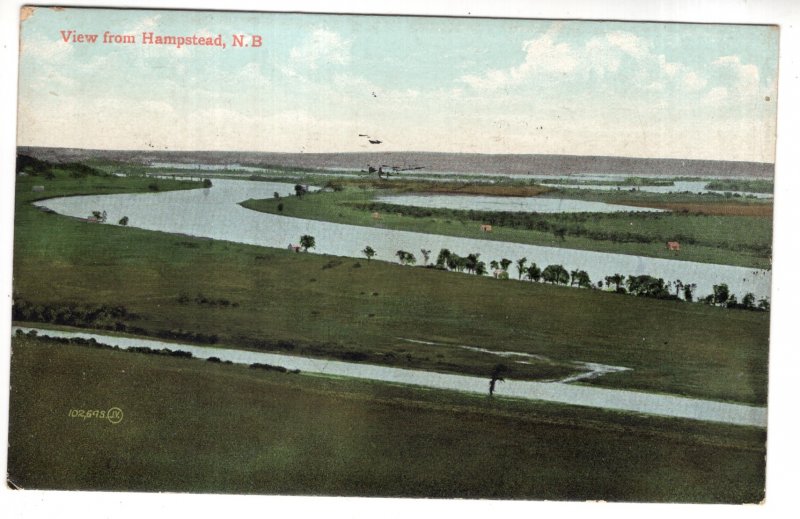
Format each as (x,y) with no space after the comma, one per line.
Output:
(542,55)
(745,77)
(615,60)
(322,47)
(47,51)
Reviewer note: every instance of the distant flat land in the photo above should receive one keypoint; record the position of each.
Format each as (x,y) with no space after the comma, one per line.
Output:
(443,162)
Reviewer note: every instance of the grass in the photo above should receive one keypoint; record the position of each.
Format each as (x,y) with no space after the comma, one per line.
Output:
(713,204)
(334,307)
(730,239)
(195,426)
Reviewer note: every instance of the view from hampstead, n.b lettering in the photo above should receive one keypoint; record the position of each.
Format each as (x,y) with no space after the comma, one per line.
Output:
(351,255)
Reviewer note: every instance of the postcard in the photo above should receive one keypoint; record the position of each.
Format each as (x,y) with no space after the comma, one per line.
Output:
(392,256)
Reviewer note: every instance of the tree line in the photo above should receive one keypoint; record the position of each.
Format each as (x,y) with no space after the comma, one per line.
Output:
(642,285)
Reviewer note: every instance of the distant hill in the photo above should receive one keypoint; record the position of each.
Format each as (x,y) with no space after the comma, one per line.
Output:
(446,162)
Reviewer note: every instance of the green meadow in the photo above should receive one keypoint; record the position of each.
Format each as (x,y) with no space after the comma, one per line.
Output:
(193,426)
(353,309)
(196,426)
(712,233)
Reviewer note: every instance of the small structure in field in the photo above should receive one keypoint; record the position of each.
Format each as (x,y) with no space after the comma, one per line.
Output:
(376,215)
(294,247)
(38,189)
(485,227)
(673,245)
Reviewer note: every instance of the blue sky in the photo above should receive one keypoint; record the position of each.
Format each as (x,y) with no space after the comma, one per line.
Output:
(416,83)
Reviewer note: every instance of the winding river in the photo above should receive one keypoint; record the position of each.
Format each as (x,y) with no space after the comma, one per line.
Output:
(215,213)
(558,392)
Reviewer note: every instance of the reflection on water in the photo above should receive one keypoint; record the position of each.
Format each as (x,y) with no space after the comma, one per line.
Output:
(215,213)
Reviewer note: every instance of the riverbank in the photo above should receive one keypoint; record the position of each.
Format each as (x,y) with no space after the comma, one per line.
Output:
(706,237)
(196,426)
(551,391)
(335,307)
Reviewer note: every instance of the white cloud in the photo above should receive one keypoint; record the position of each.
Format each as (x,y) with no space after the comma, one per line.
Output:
(716,95)
(542,55)
(48,51)
(745,77)
(322,47)
(629,43)
(692,81)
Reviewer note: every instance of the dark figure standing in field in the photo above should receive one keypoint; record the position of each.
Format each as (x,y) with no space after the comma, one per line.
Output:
(496,376)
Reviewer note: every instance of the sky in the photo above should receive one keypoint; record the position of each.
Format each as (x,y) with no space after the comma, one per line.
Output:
(318,82)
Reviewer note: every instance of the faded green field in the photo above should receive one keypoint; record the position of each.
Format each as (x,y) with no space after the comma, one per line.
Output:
(729,239)
(193,426)
(315,305)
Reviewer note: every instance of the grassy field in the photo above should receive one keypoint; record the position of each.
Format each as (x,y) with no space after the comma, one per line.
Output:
(354,309)
(731,239)
(194,426)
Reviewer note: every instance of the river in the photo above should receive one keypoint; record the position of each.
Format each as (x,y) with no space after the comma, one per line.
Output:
(558,392)
(215,213)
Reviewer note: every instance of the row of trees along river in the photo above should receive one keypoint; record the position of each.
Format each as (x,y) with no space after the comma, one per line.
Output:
(638,285)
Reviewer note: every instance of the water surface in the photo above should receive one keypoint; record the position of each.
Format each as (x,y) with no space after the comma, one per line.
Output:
(215,213)
(621,400)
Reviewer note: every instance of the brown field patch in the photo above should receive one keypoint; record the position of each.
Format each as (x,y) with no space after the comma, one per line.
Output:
(711,209)
(452,188)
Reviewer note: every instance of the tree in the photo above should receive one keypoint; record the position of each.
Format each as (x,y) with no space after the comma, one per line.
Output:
(307,242)
(555,274)
(494,265)
(581,278)
(721,294)
(276,195)
(471,262)
(616,279)
(678,287)
(573,277)
(504,263)
(749,301)
(207,182)
(426,255)
(369,252)
(299,190)
(647,286)
(521,266)
(763,304)
(533,272)
(443,258)
(406,258)
(480,268)
(688,291)
(123,220)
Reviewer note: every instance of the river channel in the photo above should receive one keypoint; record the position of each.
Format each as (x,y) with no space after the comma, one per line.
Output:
(215,213)
(558,392)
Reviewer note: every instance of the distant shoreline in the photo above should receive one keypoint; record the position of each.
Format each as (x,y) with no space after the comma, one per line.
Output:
(522,164)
